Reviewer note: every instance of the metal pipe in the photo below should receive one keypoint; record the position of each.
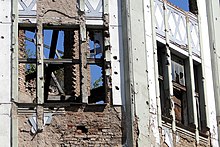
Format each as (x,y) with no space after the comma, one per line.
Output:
(128,74)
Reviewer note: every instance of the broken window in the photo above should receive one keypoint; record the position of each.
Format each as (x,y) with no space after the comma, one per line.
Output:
(179,89)
(72,68)
(182,88)
(186,5)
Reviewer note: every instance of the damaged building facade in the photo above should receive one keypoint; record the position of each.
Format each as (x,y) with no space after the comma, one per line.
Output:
(109,73)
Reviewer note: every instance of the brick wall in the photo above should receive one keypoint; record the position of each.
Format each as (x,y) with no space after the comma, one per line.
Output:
(76,126)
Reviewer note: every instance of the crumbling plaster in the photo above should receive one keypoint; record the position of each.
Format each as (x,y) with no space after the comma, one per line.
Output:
(76,126)
(58,12)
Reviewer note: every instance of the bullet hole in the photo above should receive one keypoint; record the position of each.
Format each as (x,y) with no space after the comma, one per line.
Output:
(115,57)
(147,102)
(82,128)
(116,72)
(86,138)
(2,37)
(116,87)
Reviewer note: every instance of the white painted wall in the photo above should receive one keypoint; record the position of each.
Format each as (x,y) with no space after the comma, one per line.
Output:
(149,42)
(208,71)
(5,73)
(116,42)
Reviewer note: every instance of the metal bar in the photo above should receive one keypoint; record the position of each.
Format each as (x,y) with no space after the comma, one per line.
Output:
(191,86)
(169,68)
(94,61)
(51,56)
(128,74)
(57,83)
(53,44)
(29,60)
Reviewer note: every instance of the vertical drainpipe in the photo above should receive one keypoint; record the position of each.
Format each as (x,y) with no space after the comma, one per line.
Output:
(191,78)
(157,88)
(14,69)
(168,58)
(128,76)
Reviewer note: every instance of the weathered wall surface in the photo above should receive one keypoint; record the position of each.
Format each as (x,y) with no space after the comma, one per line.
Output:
(5,72)
(181,139)
(77,126)
(57,11)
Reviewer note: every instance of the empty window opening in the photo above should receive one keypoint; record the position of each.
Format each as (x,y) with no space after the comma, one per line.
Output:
(97,93)
(97,90)
(62,68)
(27,65)
(67,63)
(63,55)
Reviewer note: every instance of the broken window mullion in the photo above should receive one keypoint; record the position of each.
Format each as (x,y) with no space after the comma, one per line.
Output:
(83,69)
(107,67)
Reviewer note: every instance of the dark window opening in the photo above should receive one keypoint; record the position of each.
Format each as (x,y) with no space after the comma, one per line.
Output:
(200,100)
(163,82)
(182,90)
